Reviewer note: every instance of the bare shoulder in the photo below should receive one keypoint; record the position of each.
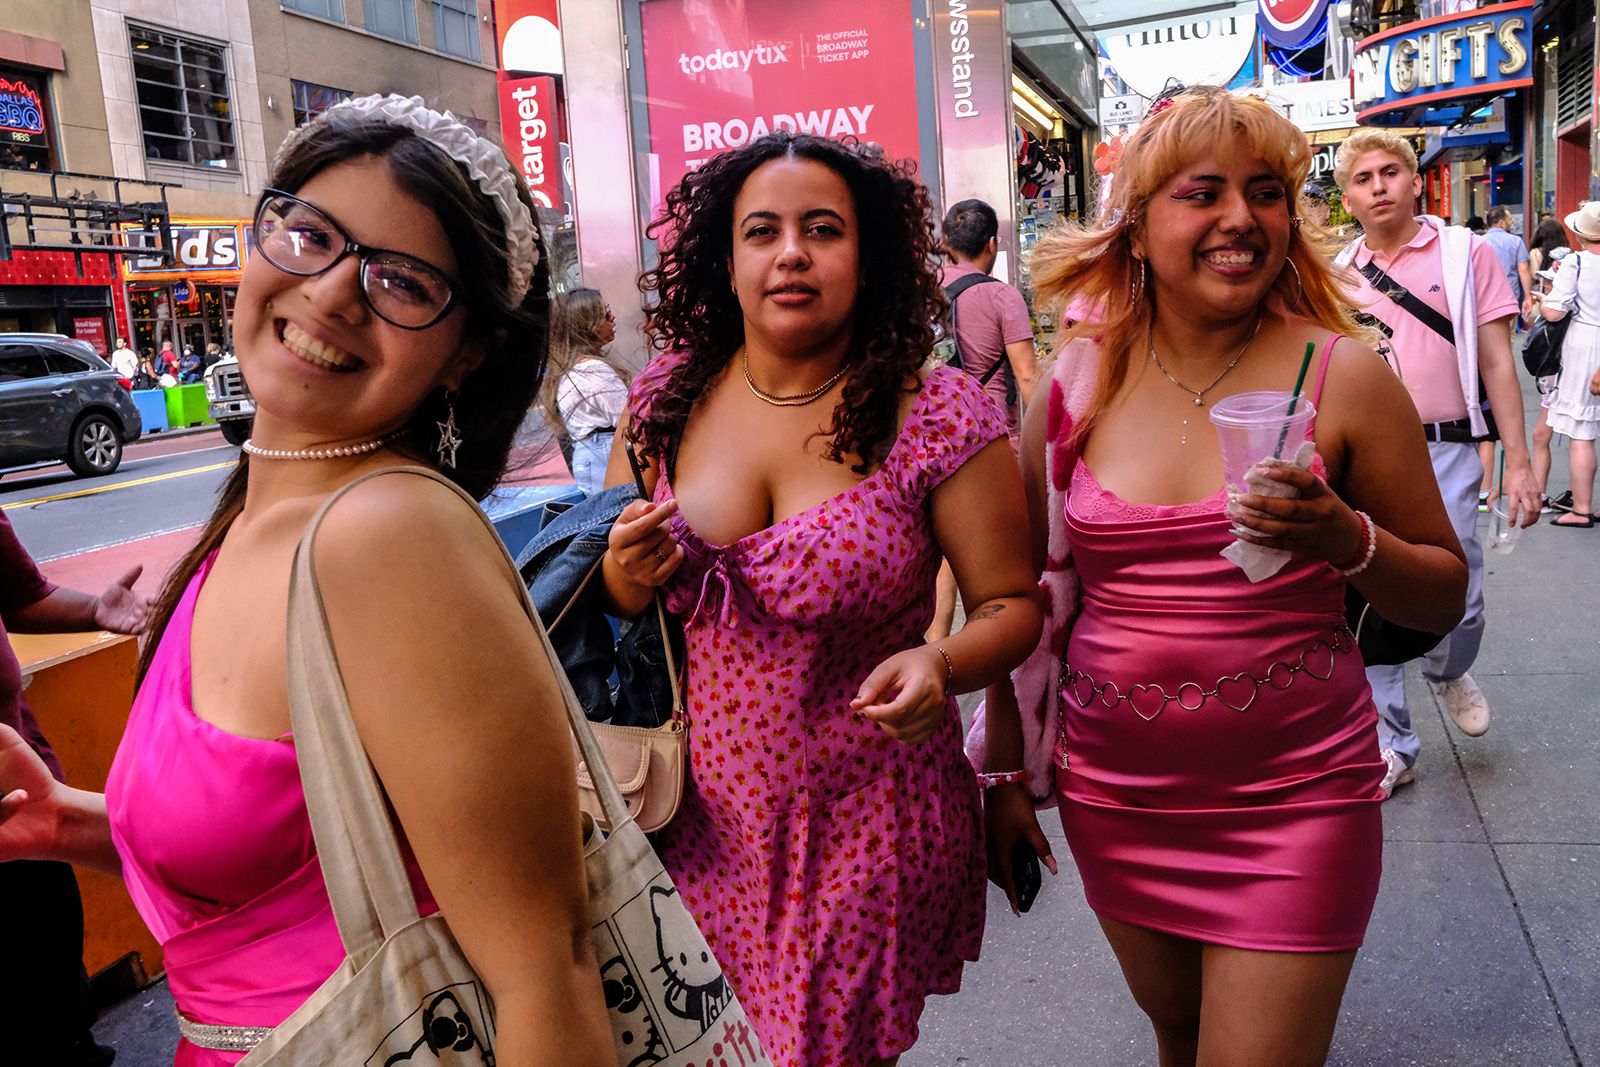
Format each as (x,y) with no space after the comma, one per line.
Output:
(403,527)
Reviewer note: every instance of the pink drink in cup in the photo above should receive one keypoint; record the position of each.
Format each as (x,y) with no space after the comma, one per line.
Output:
(1256,426)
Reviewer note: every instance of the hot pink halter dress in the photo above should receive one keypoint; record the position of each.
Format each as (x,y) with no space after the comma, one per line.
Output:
(837,873)
(218,856)
(1223,767)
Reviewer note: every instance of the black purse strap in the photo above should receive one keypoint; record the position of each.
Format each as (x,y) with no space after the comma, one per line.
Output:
(1409,302)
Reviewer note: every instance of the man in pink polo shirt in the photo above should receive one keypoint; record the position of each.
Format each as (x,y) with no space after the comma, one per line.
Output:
(1439,295)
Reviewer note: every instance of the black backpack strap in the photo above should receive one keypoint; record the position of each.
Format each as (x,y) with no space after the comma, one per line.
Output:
(1409,302)
(953,290)
(965,282)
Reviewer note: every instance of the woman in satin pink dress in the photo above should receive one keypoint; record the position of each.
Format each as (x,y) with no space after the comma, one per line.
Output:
(421,344)
(1217,766)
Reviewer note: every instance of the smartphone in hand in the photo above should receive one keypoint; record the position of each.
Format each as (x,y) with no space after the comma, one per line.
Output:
(1025,875)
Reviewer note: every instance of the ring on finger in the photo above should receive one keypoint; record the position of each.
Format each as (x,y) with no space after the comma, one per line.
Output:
(661,553)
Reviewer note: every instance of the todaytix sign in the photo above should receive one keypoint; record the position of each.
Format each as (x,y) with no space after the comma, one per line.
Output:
(1423,73)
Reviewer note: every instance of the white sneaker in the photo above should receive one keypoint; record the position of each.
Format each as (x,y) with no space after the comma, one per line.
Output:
(1466,704)
(1398,773)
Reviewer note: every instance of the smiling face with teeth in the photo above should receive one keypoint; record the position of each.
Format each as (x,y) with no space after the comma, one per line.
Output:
(321,365)
(1216,233)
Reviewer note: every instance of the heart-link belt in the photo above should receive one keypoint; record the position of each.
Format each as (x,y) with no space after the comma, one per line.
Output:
(1236,692)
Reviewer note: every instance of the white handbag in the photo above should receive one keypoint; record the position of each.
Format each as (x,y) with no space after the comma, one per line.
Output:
(405,992)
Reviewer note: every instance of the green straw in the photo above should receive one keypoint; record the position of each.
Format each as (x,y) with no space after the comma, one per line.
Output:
(1294,398)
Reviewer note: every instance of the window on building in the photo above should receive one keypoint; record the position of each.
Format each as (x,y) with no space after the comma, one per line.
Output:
(24,125)
(326,9)
(311,99)
(393,18)
(183,98)
(455,27)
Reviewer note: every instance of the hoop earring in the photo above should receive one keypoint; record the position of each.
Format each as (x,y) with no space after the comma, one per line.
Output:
(449,435)
(1136,283)
(1298,283)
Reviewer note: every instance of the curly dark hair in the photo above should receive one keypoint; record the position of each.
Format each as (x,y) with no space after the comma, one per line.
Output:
(696,311)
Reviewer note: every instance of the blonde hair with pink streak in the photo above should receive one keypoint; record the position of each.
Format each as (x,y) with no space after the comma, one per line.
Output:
(1093,265)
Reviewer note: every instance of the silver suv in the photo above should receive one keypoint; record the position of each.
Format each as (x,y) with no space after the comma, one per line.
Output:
(60,401)
(230,401)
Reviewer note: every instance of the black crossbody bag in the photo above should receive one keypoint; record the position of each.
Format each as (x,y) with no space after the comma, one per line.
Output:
(1385,643)
(1541,352)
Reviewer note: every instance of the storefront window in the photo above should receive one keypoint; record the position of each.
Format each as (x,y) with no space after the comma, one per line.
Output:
(311,99)
(184,106)
(24,125)
(455,27)
(182,313)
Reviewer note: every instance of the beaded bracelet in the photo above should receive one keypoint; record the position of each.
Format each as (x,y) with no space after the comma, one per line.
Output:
(989,781)
(949,668)
(1369,541)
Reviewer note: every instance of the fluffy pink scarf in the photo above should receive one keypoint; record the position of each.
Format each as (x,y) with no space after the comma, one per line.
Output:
(1036,682)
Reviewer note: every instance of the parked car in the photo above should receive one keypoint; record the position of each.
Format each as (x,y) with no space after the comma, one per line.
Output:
(60,401)
(229,399)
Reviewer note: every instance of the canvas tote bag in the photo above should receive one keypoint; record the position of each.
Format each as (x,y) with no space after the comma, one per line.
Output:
(405,992)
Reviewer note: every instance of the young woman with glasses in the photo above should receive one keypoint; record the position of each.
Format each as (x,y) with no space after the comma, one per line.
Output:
(393,316)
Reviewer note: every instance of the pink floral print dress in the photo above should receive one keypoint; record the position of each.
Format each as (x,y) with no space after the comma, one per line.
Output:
(838,874)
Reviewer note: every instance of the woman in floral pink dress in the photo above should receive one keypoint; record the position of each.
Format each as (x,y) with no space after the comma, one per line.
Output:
(807,478)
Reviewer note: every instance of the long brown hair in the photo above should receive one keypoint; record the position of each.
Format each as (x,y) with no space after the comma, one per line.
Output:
(514,338)
(1093,264)
(575,327)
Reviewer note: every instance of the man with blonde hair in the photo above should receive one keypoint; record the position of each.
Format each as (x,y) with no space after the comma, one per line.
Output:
(1439,295)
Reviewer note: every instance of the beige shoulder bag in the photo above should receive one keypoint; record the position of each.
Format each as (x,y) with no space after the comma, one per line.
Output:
(405,986)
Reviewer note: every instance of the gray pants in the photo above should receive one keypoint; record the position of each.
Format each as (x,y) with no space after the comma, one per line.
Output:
(1460,473)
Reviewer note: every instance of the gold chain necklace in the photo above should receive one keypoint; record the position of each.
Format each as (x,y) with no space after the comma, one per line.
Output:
(795,401)
(1199,394)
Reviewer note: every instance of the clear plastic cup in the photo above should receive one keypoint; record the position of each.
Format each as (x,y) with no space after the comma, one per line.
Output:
(1256,426)
(1503,533)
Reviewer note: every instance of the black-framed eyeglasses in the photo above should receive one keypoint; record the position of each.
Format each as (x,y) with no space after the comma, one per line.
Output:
(300,238)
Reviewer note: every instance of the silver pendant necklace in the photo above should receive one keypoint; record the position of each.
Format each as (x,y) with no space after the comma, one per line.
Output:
(1198,394)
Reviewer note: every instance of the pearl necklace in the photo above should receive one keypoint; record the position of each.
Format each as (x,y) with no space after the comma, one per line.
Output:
(795,401)
(336,452)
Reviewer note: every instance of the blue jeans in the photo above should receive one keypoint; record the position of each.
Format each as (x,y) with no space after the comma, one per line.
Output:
(1460,473)
(589,458)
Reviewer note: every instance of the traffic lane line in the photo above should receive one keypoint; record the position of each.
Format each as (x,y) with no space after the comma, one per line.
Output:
(118,485)
(130,539)
(145,448)
(46,476)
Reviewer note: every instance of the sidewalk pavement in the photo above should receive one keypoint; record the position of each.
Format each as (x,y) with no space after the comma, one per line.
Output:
(1485,945)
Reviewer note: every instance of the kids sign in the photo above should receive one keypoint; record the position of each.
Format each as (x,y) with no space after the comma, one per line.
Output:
(1423,73)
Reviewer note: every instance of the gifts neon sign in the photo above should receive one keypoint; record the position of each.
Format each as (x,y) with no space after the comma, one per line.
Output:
(21,110)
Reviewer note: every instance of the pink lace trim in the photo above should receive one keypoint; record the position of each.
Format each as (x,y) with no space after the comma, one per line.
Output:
(1093,502)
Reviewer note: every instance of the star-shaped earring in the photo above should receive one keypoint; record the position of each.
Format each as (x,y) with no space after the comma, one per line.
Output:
(449,437)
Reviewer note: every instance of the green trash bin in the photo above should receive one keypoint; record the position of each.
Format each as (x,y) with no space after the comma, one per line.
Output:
(187,406)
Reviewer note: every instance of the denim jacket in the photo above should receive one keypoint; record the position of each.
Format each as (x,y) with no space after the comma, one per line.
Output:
(622,680)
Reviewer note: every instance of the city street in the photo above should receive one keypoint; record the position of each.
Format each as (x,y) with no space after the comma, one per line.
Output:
(1485,946)
(86,532)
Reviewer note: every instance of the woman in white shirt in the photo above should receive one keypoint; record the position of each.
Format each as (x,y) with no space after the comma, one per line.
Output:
(1575,411)
(584,390)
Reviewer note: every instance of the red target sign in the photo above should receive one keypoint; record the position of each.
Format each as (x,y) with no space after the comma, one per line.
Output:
(1288,23)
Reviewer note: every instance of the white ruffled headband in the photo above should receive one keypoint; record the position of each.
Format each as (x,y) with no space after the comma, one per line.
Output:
(484,161)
